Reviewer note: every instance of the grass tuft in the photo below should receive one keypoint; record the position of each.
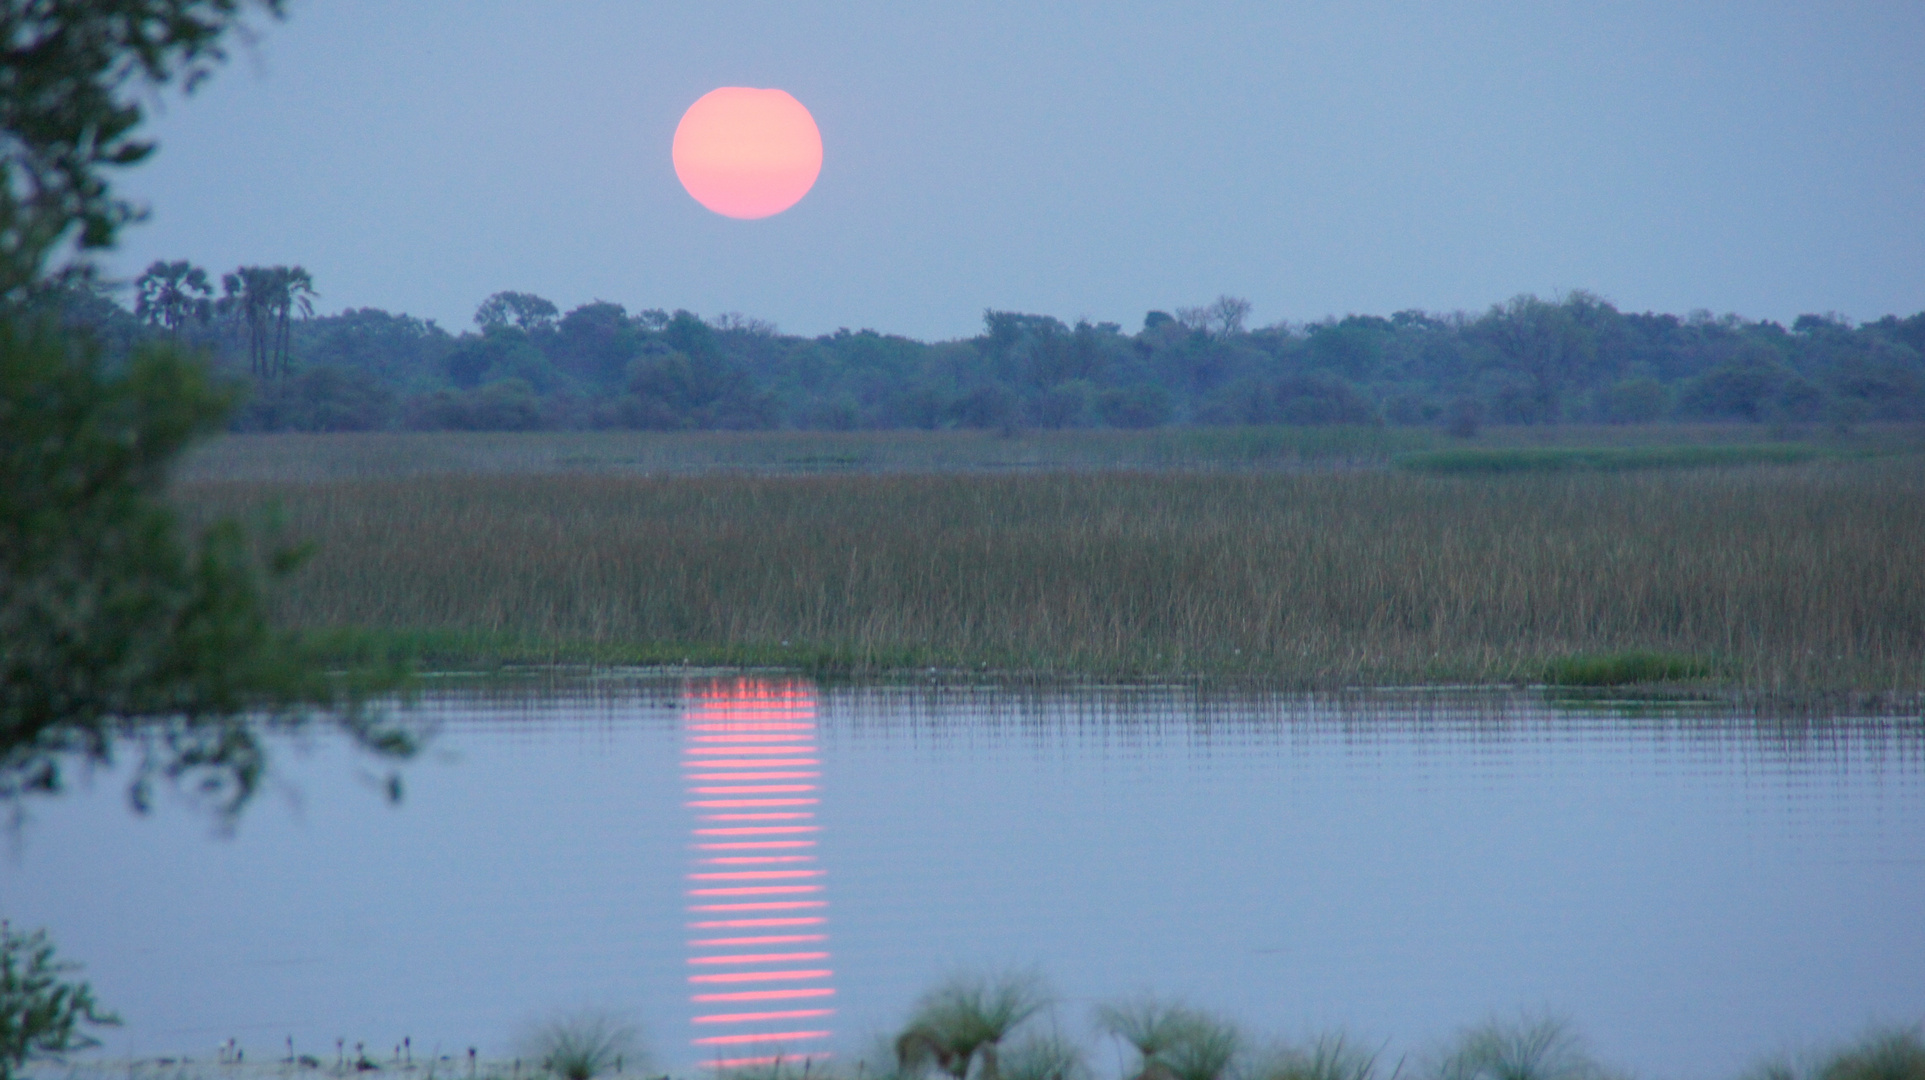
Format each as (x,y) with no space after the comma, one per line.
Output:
(584,1044)
(1332,1057)
(1529,1049)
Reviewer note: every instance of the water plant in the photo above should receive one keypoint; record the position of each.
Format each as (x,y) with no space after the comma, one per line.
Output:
(1205,1049)
(583,1044)
(1044,1056)
(1882,1053)
(1151,1027)
(1333,1056)
(1530,1048)
(965,1019)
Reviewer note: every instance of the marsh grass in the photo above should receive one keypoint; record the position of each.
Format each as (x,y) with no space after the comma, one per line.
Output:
(313,458)
(1780,578)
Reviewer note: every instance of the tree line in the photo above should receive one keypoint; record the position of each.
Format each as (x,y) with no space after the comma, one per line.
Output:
(525,364)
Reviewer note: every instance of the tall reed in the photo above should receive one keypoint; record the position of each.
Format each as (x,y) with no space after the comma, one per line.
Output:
(1778,577)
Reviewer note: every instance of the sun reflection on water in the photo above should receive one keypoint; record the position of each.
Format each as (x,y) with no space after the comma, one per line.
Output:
(759,974)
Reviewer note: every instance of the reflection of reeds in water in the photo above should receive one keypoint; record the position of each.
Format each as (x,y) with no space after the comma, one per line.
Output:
(758,949)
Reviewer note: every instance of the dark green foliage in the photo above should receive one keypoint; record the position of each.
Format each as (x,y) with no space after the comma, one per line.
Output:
(114,625)
(1527,362)
(319,399)
(1624,668)
(41,1013)
(76,76)
(525,311)
(506,405)
(1637,400)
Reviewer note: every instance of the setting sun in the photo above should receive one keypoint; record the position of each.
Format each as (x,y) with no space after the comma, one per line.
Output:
(747,153)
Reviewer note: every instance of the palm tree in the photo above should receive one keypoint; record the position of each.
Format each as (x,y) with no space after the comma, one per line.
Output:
(263,299)
(293,290)
(965,1020)
(171,293)
(246,297)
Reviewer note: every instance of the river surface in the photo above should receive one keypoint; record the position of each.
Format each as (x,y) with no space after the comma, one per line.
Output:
(757,866)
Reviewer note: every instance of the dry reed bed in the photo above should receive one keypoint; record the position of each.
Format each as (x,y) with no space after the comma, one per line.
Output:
(1787,577)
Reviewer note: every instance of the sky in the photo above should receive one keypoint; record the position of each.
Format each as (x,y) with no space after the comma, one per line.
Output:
(1084,160)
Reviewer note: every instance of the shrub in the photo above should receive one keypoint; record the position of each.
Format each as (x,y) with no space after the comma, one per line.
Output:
(40,1012)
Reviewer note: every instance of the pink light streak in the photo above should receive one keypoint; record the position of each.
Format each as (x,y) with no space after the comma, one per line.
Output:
(772,1036)
(745,1018)
(762,976)
(745,924)
(743,742)
(760,958)
(766,995)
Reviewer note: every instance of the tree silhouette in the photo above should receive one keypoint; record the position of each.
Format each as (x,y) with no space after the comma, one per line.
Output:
(263,299)
(170,294)
(293,291)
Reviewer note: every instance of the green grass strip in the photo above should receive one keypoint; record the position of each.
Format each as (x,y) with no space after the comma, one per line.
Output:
(1603,458)
(1624,668)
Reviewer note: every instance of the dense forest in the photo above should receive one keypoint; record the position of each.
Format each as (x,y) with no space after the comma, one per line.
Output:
(525,364)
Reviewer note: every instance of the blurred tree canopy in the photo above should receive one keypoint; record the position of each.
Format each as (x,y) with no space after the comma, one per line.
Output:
(115,625)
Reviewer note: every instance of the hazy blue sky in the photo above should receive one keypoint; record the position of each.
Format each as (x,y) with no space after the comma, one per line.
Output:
(1077,159)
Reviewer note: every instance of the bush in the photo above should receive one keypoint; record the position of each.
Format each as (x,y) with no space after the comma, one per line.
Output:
(40,1012)
(508,405)
(1144,406)
(319,399)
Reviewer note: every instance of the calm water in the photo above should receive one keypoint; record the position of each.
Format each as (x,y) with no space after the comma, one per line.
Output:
(745,865)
